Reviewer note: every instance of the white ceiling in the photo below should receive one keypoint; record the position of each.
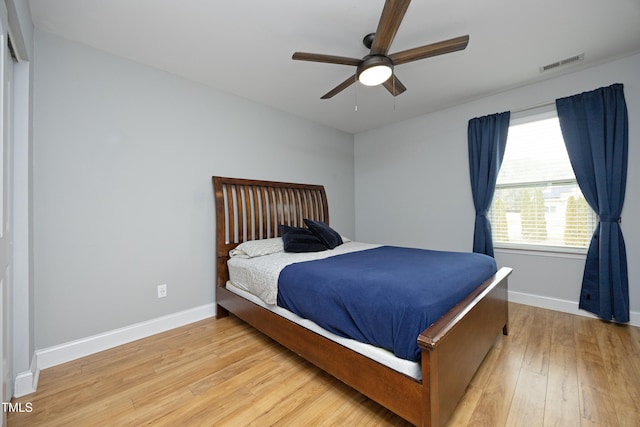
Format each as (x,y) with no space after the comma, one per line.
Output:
(244,47)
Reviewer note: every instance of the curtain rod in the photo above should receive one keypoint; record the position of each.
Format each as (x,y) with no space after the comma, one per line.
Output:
(533,107)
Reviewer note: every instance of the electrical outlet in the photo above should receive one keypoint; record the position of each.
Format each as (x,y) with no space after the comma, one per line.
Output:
(162,290)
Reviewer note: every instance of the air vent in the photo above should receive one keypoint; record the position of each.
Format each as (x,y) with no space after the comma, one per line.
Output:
(562,63)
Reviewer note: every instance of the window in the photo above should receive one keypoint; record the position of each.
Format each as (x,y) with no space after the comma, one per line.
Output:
(537,203)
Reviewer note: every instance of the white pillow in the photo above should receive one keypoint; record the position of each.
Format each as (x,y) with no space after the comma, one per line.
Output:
(255,248)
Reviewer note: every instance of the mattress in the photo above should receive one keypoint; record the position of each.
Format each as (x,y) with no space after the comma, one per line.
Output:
(380,355)
(259,275)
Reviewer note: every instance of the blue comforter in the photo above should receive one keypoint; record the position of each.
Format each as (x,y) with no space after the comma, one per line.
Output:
(384,296)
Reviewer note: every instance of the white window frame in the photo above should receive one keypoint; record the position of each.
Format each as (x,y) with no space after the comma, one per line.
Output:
(527,116)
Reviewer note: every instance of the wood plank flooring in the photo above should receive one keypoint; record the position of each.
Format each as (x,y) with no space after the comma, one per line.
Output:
(554,369)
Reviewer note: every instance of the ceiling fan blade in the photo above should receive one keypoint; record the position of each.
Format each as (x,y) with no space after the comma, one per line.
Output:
(330,59)
(390,20)
(342,86)
(394,86)
(427,51)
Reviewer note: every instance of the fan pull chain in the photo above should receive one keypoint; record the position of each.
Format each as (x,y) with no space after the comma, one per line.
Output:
(393,86)
(356,93)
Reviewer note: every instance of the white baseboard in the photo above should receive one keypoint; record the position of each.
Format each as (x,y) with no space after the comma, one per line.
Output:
(67,352)
(564,306)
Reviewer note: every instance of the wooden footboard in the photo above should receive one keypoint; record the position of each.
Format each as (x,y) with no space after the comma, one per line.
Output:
(452,348)
(456,344)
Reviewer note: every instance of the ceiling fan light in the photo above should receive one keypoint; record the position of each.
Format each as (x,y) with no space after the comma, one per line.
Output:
(375,70)
(375,75)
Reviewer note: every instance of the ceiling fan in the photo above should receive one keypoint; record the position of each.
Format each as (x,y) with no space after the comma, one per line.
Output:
(377,67)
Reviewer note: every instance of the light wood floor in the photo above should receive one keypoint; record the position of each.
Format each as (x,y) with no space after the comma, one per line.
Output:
(554,369)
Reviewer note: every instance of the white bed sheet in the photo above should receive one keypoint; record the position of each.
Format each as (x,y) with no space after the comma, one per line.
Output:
(380,355)
(259,275)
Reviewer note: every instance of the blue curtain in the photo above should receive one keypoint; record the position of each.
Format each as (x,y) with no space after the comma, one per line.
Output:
(595,130)
(487,140)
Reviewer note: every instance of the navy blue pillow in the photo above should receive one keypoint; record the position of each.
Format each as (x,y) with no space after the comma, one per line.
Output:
(299,240)
(330,237)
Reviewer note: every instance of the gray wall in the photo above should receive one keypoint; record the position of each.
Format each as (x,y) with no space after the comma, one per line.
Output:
(421,168)
(123,159)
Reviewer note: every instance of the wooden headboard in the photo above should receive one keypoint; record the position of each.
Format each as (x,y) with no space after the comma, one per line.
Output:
(249,209)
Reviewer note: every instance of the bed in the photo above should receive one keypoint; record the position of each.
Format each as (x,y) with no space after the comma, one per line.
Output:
(450,350)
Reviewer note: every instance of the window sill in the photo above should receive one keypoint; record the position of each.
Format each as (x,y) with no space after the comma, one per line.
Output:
(549,251)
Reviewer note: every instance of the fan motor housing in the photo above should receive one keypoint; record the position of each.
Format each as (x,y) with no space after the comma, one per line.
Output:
(372,61)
